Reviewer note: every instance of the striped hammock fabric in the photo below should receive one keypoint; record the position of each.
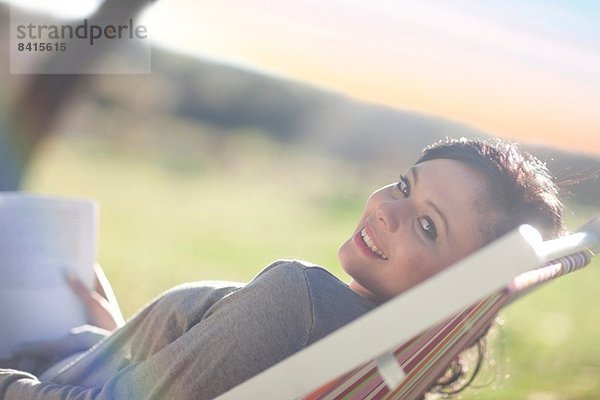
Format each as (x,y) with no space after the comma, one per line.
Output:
(426,357)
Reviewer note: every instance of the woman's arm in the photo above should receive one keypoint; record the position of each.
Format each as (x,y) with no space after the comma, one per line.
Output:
(237,337)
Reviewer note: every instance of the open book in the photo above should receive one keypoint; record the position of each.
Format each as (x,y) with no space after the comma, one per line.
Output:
(41,238)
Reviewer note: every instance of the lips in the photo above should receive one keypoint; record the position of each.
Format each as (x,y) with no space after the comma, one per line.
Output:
(365,242)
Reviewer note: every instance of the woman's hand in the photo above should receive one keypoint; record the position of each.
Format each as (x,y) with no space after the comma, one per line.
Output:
(100,304)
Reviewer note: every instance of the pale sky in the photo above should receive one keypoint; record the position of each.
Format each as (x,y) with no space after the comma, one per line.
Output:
(528,70)
(523,69)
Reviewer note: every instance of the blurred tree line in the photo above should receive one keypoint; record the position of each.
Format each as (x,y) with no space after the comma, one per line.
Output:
(231,100)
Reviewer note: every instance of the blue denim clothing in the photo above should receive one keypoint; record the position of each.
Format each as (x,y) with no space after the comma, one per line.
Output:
(199,340)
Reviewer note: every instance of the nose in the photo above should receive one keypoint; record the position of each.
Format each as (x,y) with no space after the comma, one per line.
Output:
(392,214)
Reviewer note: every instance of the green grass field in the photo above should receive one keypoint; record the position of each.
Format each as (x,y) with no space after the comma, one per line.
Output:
(226,210)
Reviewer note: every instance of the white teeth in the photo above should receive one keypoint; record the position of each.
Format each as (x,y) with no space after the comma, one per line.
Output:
(370,244)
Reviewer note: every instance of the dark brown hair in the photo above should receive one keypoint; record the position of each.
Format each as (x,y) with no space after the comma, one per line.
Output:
(521,191)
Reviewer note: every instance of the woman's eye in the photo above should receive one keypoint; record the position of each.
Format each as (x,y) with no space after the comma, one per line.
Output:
(428,227)
(403,186)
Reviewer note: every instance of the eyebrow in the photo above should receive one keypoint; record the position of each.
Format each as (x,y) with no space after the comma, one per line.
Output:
(413,172)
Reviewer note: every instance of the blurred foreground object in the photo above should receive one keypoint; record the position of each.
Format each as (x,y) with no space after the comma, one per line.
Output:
(39,105)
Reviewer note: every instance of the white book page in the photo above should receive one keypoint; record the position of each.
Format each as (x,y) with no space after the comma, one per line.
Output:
(41,238)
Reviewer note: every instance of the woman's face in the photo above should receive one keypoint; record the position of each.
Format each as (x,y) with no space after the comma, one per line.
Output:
(414,228)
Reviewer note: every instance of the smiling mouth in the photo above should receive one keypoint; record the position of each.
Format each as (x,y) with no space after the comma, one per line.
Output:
(371,246)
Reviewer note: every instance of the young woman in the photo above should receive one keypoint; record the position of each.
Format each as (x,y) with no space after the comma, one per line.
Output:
(199,340)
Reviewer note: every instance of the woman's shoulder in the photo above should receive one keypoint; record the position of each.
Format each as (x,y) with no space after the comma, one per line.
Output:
(330,301)
(300,274)
(291,267)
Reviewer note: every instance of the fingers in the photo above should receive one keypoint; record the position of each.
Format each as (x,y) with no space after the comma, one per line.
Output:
(91,298)
(106,290)
(101,280)
(84,294)
(99,310)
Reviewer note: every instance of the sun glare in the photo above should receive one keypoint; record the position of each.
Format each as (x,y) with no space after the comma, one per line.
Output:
(59,8)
